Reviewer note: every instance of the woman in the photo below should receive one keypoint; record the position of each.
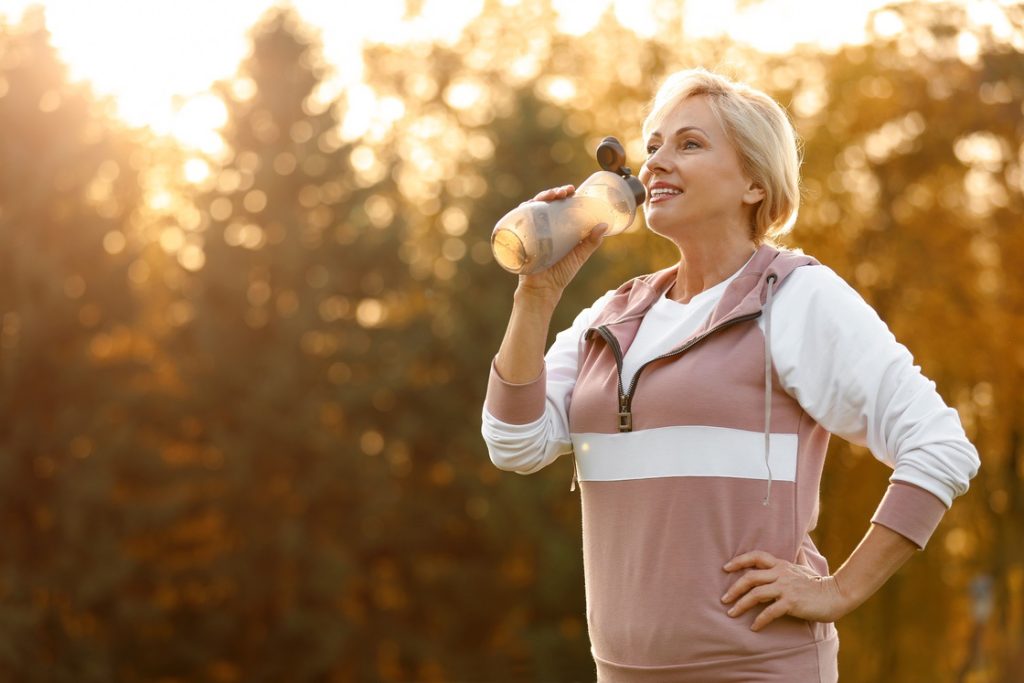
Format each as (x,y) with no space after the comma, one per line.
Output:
(698,403)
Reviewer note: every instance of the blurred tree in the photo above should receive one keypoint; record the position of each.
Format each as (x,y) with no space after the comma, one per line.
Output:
(299,334)
(72,365)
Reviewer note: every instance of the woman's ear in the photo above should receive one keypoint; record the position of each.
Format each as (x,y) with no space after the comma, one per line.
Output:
(754,193)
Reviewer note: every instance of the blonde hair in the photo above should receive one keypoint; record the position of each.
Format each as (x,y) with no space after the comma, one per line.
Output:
(760,131)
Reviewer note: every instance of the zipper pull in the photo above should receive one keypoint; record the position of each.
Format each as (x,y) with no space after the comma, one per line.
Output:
(625,416)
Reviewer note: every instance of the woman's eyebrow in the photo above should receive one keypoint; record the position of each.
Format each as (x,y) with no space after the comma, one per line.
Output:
(682,130)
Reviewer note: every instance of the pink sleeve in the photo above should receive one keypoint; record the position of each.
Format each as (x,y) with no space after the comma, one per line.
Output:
(515,403)
(910,511)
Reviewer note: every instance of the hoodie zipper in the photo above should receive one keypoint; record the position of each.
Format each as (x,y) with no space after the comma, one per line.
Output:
(626,397)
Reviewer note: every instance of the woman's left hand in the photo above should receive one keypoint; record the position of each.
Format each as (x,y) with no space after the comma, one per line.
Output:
(790,588)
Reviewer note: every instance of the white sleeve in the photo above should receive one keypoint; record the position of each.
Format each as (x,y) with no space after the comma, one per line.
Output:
(519,440)
(839,360)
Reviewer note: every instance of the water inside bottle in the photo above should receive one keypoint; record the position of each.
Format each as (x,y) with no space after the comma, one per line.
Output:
(509,250)
(537,234)
(523,241)
(589,211)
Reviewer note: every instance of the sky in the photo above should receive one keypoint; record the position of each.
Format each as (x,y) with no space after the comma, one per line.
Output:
(178,49)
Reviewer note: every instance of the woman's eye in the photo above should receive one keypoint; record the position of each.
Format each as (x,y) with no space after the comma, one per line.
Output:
(687,144)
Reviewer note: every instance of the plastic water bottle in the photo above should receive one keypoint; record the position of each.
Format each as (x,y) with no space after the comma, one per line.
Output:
(536,235)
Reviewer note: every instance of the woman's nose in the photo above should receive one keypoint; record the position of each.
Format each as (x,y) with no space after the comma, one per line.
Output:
(655,162)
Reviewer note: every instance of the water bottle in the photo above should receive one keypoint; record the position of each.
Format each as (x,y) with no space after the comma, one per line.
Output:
(536,235)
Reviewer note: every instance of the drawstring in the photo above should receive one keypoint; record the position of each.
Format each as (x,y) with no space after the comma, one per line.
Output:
(768,383)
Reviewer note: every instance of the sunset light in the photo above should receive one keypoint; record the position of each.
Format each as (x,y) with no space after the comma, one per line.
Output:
(158,70)
(274,408)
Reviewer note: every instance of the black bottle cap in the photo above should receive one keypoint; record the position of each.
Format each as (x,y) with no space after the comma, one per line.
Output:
(639,191)
(611,155)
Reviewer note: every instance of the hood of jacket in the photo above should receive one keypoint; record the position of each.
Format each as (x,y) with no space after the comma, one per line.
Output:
(745,295)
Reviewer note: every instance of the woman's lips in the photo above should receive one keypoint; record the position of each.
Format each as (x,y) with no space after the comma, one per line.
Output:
(658,199)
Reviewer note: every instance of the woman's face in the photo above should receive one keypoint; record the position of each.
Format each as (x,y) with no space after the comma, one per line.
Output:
(703,190)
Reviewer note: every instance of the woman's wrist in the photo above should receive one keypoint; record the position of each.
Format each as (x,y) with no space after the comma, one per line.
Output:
(537,298)
(877,557)
(846,599)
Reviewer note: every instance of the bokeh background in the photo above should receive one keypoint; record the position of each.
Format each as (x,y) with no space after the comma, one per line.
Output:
(246,321)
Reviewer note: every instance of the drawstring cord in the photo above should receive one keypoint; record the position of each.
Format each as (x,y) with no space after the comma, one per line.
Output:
(768,384)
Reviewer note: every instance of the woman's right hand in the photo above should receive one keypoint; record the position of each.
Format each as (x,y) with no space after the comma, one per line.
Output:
(521,357)
(550,283)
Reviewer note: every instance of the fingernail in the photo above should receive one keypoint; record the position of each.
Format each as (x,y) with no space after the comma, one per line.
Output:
(727,566)
(732,612)
(724,597)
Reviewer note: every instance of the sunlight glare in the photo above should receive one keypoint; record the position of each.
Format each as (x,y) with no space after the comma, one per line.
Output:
(778,26)
(558,88)
(577,18)
(464,93)
(157,60)
(888,24)
(151,52)
(196,122)
(638,15)
(161,200)
(360,101)
(196,170)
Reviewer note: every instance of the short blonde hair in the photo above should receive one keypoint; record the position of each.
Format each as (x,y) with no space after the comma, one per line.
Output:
(760,131)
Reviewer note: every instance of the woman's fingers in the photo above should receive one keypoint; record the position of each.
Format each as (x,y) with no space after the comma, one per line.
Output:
(597,232)
(589,244)
(554,194)
(561,273)
(754,597)
(752,578)
(755,558)
(769,614)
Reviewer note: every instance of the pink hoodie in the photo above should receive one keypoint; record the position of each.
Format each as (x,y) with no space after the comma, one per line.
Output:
(679,473)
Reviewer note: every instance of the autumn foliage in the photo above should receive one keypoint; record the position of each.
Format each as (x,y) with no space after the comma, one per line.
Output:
(239,416)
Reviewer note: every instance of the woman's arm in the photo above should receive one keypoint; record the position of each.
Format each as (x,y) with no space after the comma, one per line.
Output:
(526,425)
(520,358)
(839,360)
(841,363)
(525,416)
(877,557)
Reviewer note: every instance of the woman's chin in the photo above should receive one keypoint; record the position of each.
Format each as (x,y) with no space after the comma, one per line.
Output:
(659,226)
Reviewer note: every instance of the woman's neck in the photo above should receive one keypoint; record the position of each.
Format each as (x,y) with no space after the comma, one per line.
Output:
(704,264)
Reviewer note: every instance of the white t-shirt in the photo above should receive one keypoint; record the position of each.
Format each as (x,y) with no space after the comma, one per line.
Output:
(668,322)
